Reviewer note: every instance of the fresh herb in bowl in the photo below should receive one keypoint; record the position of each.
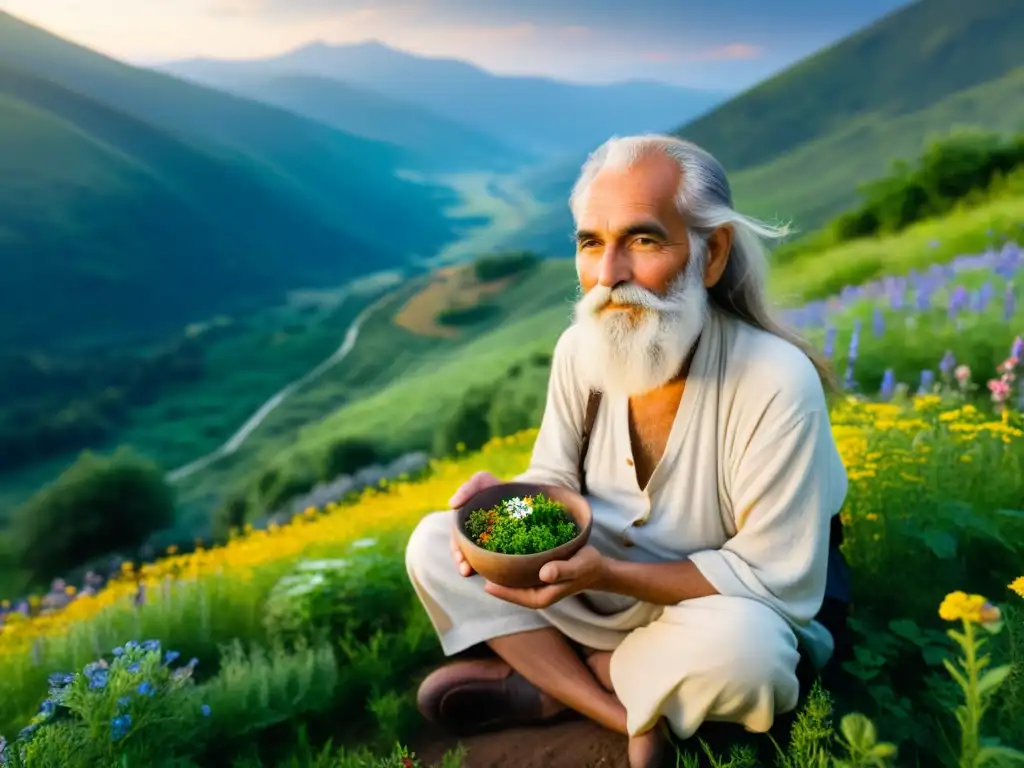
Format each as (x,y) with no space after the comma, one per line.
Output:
(523,525)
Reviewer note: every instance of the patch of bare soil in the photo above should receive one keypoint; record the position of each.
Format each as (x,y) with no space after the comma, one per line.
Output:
(576,744)
(450,287)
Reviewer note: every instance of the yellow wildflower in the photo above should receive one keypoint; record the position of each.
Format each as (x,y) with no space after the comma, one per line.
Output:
(1017,585)
(973,608)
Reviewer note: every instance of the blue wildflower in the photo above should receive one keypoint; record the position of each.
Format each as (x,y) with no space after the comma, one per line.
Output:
(878,322)
(170,657)
(947,364)
(151,645)
(146,688)
(124,701)
(927,381)
(98,679)
(829,347)
(133,667)
(48,707)
(61,679)
(888,384)
(1017,349)
(120,726)
(119,651)
(205,709)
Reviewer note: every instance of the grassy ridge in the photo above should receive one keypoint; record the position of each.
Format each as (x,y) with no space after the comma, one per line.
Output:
(819,179)
(908,62)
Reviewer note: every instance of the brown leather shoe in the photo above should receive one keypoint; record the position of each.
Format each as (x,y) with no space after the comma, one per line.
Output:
(468,697)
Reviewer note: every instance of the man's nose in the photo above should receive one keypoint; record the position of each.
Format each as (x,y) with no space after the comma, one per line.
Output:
(615,266)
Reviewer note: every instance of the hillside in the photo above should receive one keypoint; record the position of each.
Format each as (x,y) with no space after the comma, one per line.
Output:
(537,114)
(434,142)
(398,400)
(798,145)
(107,224)
(344,181)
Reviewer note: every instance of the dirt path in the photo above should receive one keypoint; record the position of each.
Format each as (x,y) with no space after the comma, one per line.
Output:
(577,744)
(236,440)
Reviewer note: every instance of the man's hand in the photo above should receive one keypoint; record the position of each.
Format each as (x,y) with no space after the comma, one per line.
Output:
(583,571)
(469,489)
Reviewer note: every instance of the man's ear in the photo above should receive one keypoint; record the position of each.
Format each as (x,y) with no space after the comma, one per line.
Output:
(719,249)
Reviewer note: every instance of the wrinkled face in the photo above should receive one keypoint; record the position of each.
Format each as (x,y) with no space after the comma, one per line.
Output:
(643,282)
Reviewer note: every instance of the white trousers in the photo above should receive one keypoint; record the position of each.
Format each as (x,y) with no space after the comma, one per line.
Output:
(714,658)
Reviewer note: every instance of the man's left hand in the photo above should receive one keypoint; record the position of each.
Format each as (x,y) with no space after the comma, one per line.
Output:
(562,578)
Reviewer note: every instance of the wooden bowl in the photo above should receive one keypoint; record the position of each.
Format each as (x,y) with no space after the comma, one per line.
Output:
(520,570)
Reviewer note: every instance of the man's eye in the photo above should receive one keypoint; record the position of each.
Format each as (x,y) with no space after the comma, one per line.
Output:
(645,242)
(584,244)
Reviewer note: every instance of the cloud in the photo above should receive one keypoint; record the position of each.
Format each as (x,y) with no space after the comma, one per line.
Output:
(729,52)
(576,32)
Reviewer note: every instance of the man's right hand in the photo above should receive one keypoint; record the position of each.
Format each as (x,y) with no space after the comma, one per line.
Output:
(467,490)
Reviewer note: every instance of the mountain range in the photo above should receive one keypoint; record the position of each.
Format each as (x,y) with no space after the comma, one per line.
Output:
(135,201)
(798,145)
(537,115)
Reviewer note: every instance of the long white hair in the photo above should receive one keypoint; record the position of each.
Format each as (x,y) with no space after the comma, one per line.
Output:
(705,200)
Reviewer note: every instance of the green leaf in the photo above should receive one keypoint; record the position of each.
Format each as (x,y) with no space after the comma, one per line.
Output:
(1002,754)
(858,731)
(955,673)
(934,654)
(883,750)
(907,629)
(941,543)
(993,679)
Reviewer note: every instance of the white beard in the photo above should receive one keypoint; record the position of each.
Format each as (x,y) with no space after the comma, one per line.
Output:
(625,355)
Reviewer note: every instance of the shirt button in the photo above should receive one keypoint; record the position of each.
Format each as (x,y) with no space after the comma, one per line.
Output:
(626,541)
(629,462)
(639,521)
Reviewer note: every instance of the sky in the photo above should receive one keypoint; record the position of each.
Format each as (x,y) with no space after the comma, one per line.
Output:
(712,44)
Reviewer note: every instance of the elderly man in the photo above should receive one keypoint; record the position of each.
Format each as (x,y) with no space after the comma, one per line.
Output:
(699,431)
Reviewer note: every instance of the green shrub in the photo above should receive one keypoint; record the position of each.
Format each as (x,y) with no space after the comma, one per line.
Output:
(470,315)
(468,424)
(335,599)
(950,170)
(345,456)
(99,505)
(502,265)
(134,709)
(519,397)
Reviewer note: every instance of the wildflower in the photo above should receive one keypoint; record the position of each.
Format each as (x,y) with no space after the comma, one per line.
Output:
(1017,585)
(205,709)
(518,508)
(973,608)
(962,374)
(927,382)
(119,727)
(888,384)
(948,363)
(146,688)
(830,342)
(878,322)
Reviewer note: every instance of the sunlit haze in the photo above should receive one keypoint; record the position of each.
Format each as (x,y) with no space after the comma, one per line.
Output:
(704,43)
